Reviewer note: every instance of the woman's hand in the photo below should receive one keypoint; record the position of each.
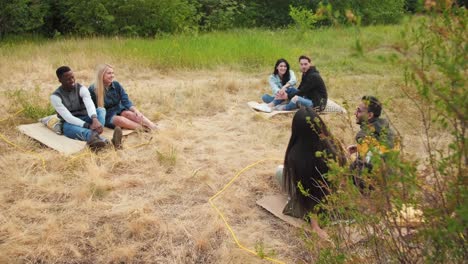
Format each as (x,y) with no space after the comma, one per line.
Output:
(284,88)
(281,95)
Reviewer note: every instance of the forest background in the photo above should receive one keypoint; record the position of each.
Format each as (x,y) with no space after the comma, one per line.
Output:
(150,18)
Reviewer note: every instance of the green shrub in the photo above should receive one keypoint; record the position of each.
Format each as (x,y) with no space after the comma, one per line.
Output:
(436,66)
(21,16)
(131,18)
(303,18)
(216,11)
(433,56)
(149,17)
(89,17)
(167,158)
(370,11)
(34,105)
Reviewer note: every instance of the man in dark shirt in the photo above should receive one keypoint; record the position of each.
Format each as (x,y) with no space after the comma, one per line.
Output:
(312,91)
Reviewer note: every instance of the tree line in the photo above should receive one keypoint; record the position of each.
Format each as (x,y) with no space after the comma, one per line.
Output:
(148,18)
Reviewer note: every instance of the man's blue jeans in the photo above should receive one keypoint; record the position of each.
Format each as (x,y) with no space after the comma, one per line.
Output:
(266,98)
(81,133)
(300,101)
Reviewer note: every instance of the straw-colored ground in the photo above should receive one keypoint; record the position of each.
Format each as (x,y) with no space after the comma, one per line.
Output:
(148,203)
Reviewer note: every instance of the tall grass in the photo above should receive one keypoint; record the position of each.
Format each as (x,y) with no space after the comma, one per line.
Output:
(145,203)
(243,49)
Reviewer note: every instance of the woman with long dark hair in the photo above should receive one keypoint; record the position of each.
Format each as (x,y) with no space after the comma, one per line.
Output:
(310,148)
(282,80)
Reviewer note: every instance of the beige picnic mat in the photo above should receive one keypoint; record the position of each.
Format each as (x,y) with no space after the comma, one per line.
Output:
(275,204)
(60,143)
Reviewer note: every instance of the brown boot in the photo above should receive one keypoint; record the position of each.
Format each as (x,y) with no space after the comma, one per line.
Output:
(95,143)
(117,138)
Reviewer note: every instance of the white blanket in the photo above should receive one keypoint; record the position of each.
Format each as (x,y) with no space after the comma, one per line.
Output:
(332,107)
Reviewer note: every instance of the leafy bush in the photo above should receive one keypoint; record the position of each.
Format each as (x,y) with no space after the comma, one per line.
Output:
(433,55)
(303,18)
(436,66)
(271,13)
(98,17)
(218,14)
(34,105)
(370,11)
(149,17)
(21,16)
(89,17)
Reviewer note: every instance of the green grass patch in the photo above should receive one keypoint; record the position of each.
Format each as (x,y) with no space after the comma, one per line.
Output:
(34,106)
(243,49)
(168,158)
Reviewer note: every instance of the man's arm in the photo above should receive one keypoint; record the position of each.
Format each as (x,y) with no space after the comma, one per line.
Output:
(91,109)
(64,112)
(319,86)
(92,92)
(312,82)
(305,83)
(88,102)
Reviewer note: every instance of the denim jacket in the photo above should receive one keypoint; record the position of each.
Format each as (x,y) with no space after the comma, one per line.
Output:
(275,82)
(115,98)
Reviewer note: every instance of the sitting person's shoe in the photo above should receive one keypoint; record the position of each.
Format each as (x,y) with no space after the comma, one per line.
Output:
(95,143)
(262,107)
(117,138)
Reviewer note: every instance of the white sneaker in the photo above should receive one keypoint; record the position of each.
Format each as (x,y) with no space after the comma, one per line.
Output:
(262,107)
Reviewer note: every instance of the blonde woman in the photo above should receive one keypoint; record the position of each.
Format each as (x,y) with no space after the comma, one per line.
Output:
(120,111)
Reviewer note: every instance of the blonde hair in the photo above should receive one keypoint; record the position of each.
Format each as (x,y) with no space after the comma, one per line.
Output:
(99,83)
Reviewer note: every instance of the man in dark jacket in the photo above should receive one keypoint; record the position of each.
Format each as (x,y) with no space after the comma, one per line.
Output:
(311,92)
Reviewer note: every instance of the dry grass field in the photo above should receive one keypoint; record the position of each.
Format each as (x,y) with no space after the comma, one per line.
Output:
(148,203)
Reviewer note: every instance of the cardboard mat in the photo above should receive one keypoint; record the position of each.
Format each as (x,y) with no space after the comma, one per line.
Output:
(332,107)
(60,143)
(349,232)
(275,205)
